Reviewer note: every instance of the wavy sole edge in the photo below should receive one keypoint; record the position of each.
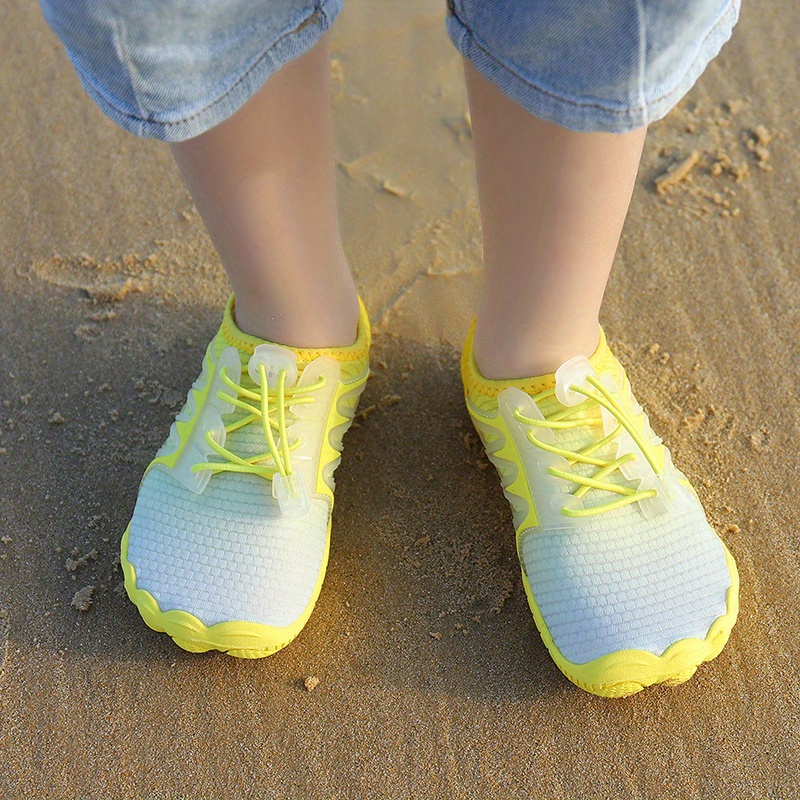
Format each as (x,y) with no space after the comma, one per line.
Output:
(626,672)
(237,638)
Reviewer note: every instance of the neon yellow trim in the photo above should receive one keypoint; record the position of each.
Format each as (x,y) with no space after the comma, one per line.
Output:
(626,672)
(340,416)
(184,429)
(238,638)
(503,452)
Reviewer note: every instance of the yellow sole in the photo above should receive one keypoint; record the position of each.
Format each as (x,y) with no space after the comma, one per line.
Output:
(627,672)
(236,638)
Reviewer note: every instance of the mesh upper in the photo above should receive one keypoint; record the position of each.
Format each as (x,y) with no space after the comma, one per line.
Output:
(228,553)
(624,582)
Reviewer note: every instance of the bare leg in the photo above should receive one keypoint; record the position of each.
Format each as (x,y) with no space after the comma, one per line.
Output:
(264,183)
(552,206)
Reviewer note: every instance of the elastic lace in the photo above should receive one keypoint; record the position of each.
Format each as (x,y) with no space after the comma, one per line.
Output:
(270,411)
(564,419)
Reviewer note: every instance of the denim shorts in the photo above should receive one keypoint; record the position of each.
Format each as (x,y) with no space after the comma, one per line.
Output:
(172,69)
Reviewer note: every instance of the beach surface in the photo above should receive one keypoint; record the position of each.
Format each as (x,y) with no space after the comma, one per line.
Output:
(430,679)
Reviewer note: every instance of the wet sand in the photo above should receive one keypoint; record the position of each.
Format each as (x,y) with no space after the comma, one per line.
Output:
(421,673)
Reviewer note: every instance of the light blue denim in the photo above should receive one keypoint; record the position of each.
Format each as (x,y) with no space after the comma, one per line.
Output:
(172,69)
(592,65)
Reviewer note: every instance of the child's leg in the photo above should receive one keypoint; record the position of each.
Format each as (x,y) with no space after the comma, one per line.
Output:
(228,544)
(264,183)
(628,583)
(552,206)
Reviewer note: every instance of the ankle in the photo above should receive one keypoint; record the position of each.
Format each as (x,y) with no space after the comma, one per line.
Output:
(513,354)
(315,322)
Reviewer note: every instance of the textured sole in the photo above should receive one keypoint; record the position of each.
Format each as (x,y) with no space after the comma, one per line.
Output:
(627,672)
(236,638)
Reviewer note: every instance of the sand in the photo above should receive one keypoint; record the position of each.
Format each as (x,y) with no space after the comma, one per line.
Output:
(420,673)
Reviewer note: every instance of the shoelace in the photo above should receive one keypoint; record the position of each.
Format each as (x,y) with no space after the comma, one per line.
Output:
(271,413)
(564,419)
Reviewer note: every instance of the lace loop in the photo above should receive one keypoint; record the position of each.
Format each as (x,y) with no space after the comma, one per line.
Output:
(270,411)
(571,417)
